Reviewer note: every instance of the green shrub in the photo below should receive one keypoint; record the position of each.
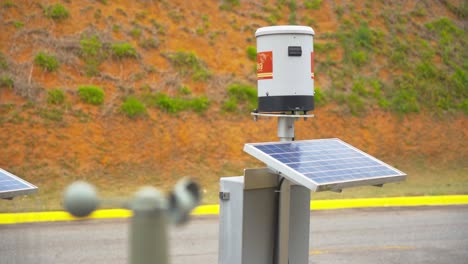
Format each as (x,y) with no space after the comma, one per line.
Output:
(418,12)
(399,54)
(229,4)
(252,53)
(426,70)
(359,88)
(359,57)
(51,114)
(93,53)
(161,29)
(444,26)
(18,24)
(459,80)
(425,49)
(319,96)
(176,16)
(171,105)
(460,9)
(243,92)
(123,50)
(200,31)
(8,4)
(356,104)
(324,48)
(201,74)
(376,92)
(200,104)
(292,12)
(56,12)
(55,96)
(6,81)
(177,104)
(240,95)
(230,105)
(273,18)
(141,15)
(149,43)
(92,68)
(91,46)
(189,63)
(184,61)
(132,107)
(185,90)
(97,14)
(404,100)
(339,10)
(46,62)
(443,99)
(3,62)
(464,106)
(312,4)
(136,32)
(91,94)
(363,37)
(450,41)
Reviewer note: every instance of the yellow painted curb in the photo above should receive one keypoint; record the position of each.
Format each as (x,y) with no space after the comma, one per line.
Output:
(16,218)
(212,209)
(390,201)
(53,216)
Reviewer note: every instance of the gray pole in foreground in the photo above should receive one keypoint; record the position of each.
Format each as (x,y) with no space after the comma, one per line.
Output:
(148,228)
(148,242)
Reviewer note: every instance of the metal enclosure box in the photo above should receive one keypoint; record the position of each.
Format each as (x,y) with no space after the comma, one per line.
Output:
(248,222)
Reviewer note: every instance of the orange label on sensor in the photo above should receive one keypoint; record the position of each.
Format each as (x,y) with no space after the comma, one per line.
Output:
(265,65)
(312,65)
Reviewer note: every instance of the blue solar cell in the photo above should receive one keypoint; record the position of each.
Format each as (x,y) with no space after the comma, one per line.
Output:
(323,162)
(11,185)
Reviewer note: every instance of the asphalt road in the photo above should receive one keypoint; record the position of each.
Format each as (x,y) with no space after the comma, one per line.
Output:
(431,235)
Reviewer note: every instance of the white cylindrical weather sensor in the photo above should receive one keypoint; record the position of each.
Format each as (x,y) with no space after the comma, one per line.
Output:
(285,69)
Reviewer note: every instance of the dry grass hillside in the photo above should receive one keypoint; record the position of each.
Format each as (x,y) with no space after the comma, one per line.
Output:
(124,93)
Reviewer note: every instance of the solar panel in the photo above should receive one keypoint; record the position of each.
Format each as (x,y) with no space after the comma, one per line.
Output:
(324,164)
(11,185)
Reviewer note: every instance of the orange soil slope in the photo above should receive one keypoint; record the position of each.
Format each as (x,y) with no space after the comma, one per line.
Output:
(100,144)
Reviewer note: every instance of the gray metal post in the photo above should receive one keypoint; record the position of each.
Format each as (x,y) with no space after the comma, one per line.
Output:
(291,239)
(148,228)
(283,223)
(286,128)
(285,133)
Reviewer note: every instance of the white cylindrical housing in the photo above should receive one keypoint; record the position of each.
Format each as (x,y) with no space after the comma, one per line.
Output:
(285,68)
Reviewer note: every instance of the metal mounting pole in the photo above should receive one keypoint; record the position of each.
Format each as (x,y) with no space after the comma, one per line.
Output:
(286,128)
(148,228)
(285,133)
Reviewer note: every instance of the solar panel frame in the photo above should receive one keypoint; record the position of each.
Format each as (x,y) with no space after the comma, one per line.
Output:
(12,185)
(277,163)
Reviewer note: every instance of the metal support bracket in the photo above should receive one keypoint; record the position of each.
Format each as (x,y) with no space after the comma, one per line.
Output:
(224,196)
